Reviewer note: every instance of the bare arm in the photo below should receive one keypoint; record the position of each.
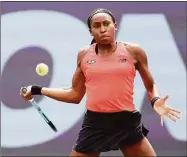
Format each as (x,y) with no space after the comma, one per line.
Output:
(141,64)
(73,94)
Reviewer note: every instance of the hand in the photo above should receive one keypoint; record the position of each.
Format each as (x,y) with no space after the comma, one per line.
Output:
(164,110)
(27,96)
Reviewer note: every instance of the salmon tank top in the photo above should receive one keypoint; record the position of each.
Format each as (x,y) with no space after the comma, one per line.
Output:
(109,80)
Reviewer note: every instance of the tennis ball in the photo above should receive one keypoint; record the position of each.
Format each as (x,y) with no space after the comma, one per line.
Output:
(42,69)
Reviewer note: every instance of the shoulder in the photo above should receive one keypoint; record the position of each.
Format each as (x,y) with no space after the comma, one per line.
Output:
(81,54)
(135,50)
(133,47)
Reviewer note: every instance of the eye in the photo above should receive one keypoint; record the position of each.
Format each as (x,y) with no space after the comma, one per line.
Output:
(106,23)
(96,25)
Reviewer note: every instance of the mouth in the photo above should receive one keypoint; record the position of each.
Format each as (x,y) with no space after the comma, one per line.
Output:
(104,36)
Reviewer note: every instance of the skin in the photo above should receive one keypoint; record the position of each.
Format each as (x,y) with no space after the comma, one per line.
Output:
(103,30)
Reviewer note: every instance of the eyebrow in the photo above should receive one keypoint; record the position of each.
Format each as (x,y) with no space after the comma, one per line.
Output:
(101,22)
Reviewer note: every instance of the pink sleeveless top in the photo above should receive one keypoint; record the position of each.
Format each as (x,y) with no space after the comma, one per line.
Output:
(109,80)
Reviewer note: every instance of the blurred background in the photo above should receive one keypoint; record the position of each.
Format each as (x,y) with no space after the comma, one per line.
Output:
(53,33)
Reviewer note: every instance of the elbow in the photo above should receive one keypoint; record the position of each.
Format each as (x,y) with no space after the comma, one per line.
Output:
(71,101)
(76,100)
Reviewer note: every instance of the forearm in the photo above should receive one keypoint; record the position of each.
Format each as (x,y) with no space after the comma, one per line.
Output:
(153,91)
(64,95)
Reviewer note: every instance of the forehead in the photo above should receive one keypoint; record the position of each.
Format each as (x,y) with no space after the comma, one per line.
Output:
(99,17)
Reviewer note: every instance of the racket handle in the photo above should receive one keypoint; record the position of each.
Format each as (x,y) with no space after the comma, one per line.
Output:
(32,101)
(43,115)
(52,126)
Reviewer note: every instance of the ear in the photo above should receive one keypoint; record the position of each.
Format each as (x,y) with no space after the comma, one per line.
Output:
(115,26)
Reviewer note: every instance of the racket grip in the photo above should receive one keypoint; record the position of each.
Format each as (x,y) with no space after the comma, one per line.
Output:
(52,126)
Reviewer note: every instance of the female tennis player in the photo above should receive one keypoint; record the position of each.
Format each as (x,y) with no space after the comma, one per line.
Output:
(106,72)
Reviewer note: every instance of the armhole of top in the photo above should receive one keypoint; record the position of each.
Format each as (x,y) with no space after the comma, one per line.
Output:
(82,57)
(127,51)
(128,54)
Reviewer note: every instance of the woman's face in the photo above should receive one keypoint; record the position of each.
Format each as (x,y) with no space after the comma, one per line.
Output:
(103,28)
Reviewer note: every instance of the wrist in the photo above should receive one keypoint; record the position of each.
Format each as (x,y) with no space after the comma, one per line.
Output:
(36,89)
(153,100)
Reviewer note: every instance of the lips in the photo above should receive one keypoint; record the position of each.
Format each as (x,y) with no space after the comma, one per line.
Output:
(104,36)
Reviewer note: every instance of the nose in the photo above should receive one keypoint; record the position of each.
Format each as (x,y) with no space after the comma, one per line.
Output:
(102,29)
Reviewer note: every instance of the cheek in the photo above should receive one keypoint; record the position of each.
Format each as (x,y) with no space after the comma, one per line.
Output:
(95,34)
(112,31)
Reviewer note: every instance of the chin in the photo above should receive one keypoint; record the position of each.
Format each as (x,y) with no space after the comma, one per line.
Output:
(105,42)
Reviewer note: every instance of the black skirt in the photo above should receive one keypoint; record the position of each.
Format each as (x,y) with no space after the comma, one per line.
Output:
(102,132)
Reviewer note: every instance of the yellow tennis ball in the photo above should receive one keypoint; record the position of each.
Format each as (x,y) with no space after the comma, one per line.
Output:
(42,69)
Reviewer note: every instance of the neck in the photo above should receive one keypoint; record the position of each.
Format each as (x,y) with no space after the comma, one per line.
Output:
(104,49)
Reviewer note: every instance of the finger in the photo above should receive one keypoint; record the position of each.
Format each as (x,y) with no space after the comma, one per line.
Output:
(162,120)
(165,98)
(175,110)
(23,97)
(21,94)
(174,114)
(21,89)
(171,117)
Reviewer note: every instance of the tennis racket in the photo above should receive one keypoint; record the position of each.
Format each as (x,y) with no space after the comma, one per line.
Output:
(34,103)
